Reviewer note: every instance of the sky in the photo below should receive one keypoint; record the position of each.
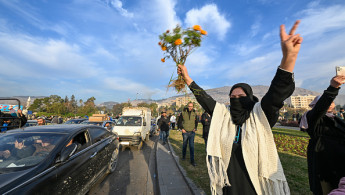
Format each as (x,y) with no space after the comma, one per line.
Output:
(108,48)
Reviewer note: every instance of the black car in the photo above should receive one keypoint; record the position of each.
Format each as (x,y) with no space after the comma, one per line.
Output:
(75,121)
(56,159)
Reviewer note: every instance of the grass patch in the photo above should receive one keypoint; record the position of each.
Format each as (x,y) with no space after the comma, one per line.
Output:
(295,166)
(289,132)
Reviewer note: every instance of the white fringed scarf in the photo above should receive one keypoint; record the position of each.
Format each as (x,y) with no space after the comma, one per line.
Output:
(258,147)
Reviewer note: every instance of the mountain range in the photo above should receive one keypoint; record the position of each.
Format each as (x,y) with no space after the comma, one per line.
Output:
(220,94)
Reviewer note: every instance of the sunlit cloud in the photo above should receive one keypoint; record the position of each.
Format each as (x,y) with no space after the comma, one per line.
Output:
(210,19)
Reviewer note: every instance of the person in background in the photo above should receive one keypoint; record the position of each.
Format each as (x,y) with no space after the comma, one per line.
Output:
(206,122)
(188,122)
(340,114)
(11,121)
(326,148)
(163,125)
(41,121)
(173,121)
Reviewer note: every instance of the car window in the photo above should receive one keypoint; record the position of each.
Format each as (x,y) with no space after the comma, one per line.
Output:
(22,150)
(82,140)
(97,134)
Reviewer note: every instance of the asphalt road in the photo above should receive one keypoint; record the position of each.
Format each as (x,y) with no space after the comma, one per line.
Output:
(134,174)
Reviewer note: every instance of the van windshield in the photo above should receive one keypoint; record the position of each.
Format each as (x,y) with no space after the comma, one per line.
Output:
(129,121)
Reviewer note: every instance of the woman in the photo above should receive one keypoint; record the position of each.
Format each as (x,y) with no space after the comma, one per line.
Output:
(326,149)
(242,157)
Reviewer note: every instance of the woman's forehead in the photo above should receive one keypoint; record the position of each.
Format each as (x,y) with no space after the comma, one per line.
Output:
(237,91)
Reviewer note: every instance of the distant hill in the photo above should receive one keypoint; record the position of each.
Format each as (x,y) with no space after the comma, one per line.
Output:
(221,94)
(22,99)
(108,105)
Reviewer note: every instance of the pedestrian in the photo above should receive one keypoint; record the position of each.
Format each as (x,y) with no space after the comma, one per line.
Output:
(163,125)
(205,121)
(242,157)
(173,121)
(326,148)
(159,131)
(41,121)
(188,122)
(341,113)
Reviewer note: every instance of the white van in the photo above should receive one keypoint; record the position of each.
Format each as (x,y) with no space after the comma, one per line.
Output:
(133,127)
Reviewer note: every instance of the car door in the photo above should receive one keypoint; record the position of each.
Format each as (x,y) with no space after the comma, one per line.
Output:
(101,141)
(75,175)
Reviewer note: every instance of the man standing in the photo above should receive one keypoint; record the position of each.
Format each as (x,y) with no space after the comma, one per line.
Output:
(163,125)
(173,121)
(206,121)
(188,122)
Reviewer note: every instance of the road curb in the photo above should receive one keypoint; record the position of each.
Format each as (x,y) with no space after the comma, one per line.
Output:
(193,188)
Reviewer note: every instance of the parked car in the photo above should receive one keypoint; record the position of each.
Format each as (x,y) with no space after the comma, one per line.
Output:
(30,123)
(58,159)
(100,123)
(75,121)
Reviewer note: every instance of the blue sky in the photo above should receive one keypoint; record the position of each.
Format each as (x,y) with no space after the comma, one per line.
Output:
(108,48)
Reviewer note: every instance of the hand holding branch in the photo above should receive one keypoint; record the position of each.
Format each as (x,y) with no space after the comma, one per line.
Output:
(182,70)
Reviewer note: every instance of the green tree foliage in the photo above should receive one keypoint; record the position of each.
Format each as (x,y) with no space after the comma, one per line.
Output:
(117,109)
(55,105)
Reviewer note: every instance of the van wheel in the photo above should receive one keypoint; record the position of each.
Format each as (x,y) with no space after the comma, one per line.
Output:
(140,146)
(113,161)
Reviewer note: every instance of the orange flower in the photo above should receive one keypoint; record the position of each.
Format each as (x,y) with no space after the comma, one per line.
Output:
(163,59)
(203,32)
(178,42)
(197,27)
(164,48)
(159,43)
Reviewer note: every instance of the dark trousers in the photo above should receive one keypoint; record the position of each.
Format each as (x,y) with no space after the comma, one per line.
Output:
(172,125)
(165,135)
(205,139)
(188,137)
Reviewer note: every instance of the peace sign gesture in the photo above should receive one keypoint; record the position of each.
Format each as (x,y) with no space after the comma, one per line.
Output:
(290,43)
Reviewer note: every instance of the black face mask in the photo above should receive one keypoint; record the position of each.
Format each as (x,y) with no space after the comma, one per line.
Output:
(240,109)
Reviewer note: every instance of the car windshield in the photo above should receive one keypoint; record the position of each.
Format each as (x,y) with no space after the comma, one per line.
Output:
(92,123)
(73,122)
(30,123)
(129,121)
(23,150)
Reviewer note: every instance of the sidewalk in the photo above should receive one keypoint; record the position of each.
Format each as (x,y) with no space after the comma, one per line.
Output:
(171,177)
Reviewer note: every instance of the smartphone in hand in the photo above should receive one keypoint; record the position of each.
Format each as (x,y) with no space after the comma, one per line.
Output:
(340,70)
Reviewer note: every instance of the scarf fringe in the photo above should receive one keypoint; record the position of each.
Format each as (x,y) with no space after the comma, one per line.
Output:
(217,173)
(277,187)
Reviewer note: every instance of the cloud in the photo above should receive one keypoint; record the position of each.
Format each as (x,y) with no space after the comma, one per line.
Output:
(316,21)
(159,14)
(44,57)
(117,4)
(128,86)
(210,19)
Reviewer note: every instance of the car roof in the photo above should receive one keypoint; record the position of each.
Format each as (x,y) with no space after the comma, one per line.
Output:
(64,128)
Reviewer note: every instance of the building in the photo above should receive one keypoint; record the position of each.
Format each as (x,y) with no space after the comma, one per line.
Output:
(183,101)
(300,101)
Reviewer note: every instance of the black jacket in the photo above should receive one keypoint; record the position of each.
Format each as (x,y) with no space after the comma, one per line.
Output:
(205,124)
(326,149)
(163,123)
